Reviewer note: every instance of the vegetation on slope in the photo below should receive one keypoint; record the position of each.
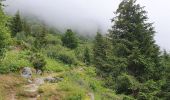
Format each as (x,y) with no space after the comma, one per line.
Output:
(125,64)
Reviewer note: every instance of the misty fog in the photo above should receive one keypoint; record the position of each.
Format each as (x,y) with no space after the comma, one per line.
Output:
(83,16)
(89,16)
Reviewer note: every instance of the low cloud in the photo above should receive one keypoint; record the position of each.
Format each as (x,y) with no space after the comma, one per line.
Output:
(83,16)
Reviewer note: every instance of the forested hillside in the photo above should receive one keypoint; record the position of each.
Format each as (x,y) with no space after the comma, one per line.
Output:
(123,64)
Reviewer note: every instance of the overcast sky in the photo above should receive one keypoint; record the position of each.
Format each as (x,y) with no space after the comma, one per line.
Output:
(88,16)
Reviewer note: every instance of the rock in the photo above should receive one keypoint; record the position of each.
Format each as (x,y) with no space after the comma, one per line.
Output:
(81,69)
(29,81)
(50,79)
(39,72)
(30,90)
(39,81)
(53,79)
(26,72)
(59,79)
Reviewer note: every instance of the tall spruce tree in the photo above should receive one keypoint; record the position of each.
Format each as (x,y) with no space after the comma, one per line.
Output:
(165,90)
(102,55)
(40,34)
(16,24)
(133,40)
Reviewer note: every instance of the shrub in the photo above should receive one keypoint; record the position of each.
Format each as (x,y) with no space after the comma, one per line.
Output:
(69,39)
(13,61)
(21,36)
(4,32)
(62,54)
(142,96)
(149,90)
(128,98)
(79,52)
(38,61)
(53,39)
(87,59)
(67,58)
(53,65)
(91,71)
(72,89)
(126,84)
(30,40)
(75,97)
(53,51)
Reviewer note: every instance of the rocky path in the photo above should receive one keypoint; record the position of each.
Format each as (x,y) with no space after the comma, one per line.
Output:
(30,90)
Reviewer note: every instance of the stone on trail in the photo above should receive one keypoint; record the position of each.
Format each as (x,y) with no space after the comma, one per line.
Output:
(39,81)
(30,90)
(51,79)
(26,72)
(39,72)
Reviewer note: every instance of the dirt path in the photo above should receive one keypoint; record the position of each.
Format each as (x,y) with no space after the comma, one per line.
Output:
(13,95)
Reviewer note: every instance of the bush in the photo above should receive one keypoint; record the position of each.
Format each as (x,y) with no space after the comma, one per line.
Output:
(38,61)
(67,58)
(53,65)
(53,51)
(72,88)
(69,39)
(149,90)
(126,84)
(4,32)
(13,61)
(30,40)
(21,36)
(53,39)
(79,52)
(75,97)
(128,98)
(62,54)
(142,96)
(91,71)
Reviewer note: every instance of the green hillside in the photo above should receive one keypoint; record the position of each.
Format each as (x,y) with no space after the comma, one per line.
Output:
(124,64)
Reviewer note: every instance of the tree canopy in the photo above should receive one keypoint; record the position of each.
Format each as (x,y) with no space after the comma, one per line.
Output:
(133,37)
(69,39)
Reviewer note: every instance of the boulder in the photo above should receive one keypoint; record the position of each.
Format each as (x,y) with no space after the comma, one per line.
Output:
(26,72)
(39,72)
(53,79)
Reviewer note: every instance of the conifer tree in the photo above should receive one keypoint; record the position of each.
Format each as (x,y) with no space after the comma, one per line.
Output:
(98,50)
(69,39)
(102,58)
(40,37)
(87,59)
(133,40)
(16,24)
